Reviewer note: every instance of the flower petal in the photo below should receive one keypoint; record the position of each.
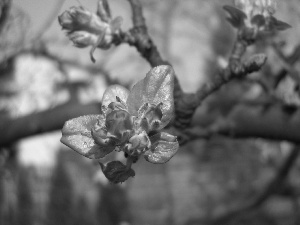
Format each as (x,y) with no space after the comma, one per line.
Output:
(117,172)
(236,16)
(112,92)
(163,147)
(76,134)
(157,87)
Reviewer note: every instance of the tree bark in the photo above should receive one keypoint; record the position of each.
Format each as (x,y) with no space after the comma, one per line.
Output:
(13,130)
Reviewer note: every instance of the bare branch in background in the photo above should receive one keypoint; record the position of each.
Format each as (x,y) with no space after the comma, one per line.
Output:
(4,12)
(272,188)
(13,130)
(63,62)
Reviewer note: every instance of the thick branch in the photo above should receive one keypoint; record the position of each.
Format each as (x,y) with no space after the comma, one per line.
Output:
(275,122)
(53,119)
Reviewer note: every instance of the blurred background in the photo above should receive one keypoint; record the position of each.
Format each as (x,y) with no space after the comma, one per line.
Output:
(208,182)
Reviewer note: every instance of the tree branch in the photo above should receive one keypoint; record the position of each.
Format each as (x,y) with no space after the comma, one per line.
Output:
(276,123)
(138,36)
(272,188)
(5,6)
(13,130)
(252,65)
(137,13)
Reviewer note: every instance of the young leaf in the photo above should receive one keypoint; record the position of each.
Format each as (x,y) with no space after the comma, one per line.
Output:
(163,147)
(237,16)
(76,134)
(157,87)
(112,92)
(116,172)
(281,26)
(278,24)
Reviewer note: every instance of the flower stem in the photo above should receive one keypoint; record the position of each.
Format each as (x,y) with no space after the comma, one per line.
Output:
(129,163)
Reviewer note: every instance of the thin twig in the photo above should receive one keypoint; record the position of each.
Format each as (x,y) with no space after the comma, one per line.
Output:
(287,65)
(4,12)
(137,13)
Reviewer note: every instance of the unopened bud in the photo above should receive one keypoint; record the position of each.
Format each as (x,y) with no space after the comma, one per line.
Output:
(81,15)
(85,28)
(66,21)
(82,39)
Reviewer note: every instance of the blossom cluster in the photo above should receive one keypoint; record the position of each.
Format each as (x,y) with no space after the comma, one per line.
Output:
(85,28)
(131,121)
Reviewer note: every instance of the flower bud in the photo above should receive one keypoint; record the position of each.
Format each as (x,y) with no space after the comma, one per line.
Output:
(85,28)
(150,116)
(66,21)
(82,39)
(138,144)
(80,15)
(118,123)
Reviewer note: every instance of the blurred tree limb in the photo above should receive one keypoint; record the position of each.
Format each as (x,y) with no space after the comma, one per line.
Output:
(273,122)
(273,187)
(53,119)
(5,6)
